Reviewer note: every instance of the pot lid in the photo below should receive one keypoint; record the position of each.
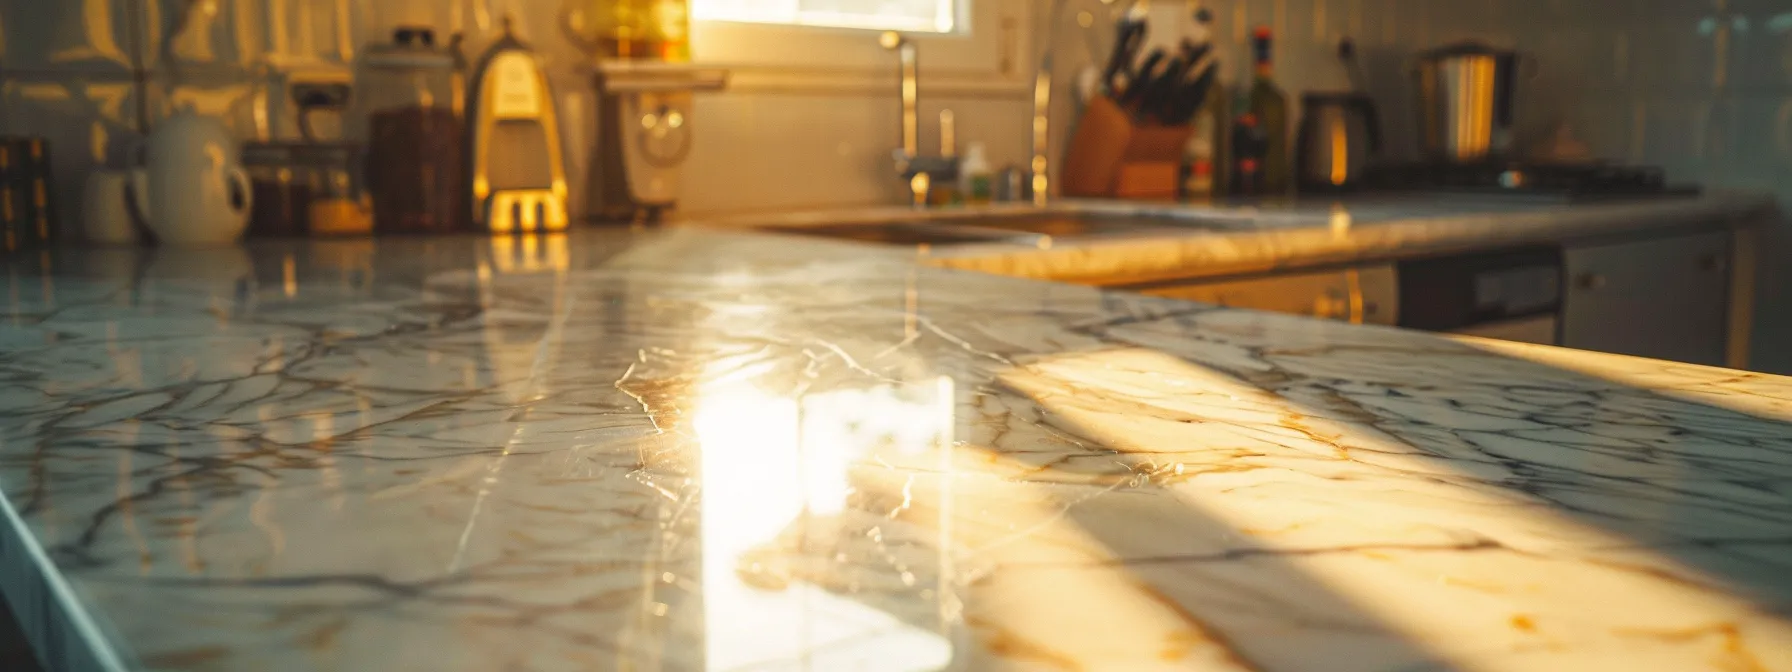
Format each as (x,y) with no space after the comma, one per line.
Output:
(1467,48)
(411,47)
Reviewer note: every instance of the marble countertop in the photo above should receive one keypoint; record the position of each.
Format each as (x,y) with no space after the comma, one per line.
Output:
(1259,237)
(697,450)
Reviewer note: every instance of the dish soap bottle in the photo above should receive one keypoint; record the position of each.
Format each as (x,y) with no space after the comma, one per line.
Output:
(976,179)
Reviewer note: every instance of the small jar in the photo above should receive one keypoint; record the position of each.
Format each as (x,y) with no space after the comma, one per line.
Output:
(338,206)
(282,190)
(306,188)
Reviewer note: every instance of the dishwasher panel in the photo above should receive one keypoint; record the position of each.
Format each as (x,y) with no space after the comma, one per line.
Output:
(1457,292)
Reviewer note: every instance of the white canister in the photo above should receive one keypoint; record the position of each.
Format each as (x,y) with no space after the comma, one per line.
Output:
(192,189)
(105,210)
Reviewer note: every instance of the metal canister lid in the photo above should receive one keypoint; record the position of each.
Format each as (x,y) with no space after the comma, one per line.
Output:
(411,47)
(1465,48)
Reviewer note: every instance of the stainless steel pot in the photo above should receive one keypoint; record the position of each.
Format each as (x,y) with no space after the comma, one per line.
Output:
(1467,96)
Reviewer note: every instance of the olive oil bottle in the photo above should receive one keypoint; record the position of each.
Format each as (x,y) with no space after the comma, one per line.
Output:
(1260,132)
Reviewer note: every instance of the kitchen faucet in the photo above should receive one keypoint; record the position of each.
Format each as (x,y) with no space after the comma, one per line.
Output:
(920,171)
(1040,167)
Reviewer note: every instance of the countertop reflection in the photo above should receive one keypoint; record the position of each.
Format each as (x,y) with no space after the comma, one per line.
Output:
(697,450)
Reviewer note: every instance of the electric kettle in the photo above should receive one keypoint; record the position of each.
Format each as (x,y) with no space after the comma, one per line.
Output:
(192,189)
(1339,134)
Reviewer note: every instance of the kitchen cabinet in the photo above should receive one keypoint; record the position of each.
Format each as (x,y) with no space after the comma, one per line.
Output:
(1679,296)
(1666,298)
(1365,295)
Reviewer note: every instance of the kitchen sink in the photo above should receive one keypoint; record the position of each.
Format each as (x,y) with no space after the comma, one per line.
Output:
(1070,225)
(901,233)
(1031,228)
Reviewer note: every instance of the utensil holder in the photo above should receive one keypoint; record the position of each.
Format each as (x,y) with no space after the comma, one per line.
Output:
(1113,156)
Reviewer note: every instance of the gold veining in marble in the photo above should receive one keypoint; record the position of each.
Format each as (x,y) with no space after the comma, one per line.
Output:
(695,450)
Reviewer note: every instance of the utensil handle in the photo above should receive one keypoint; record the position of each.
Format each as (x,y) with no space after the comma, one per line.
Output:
(137,189)
(1505,84)
(239,180)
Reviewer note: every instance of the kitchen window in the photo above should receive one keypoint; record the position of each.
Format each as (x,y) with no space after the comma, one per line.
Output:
(933,16)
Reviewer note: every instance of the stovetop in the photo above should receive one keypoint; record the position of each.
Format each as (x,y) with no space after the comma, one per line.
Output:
(1574,182)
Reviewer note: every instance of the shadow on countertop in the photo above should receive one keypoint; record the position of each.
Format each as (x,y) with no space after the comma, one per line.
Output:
(15,652)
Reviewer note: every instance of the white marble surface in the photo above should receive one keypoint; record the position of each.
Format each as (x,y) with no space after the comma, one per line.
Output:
(701,451)
(1269,236)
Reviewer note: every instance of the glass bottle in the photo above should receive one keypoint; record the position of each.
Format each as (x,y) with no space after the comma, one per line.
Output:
(674,19)
(1270,107)
(281,194)
(651,30)
(1204,157)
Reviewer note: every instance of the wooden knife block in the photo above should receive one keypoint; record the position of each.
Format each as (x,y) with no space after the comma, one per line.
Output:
(1113,156)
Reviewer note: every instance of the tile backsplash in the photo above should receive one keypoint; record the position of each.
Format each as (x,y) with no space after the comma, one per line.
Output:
(1700,87)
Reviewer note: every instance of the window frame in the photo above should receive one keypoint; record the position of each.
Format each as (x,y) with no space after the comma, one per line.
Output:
(988,56)
(961,21)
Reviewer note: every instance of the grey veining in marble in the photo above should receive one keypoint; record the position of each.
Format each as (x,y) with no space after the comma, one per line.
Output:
(692,450)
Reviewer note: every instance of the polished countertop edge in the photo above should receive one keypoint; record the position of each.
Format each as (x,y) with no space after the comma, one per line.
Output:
(1240,216)
(1266,249)
(43,604)
(1246,239)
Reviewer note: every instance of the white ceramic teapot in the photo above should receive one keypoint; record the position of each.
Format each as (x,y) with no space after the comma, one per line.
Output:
(192,189)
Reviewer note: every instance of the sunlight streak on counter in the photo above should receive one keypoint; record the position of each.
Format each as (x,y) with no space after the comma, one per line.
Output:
(775,467)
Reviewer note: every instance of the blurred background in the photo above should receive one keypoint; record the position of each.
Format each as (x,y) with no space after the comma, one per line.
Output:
(1702,88)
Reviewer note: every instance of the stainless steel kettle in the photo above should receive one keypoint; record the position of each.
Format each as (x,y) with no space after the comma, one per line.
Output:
(1466,94)
(1339,134)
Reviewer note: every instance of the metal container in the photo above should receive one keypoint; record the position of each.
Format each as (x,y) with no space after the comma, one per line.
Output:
(1467,96)
(1011,184)
(518,174)
(1339,134)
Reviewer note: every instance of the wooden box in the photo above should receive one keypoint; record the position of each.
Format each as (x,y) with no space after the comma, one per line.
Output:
(1114,156)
